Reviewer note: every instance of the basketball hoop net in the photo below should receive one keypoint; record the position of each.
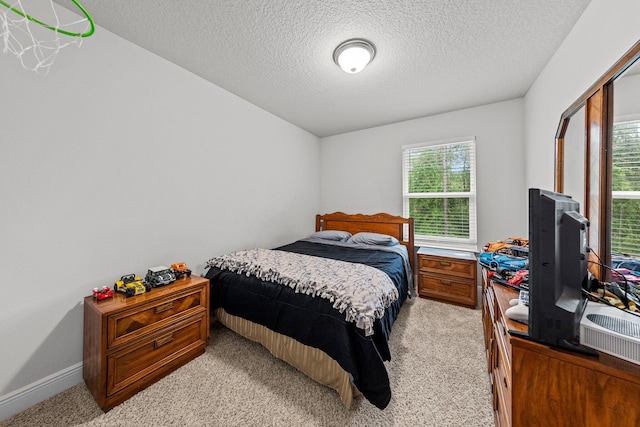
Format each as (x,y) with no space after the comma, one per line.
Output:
(37,41)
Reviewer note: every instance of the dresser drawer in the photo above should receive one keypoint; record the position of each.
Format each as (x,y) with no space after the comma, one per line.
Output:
(502,381)
(501,415)
(129,324)
(449,288)
(148,356)
(487,326)
(449,266)
(502,335)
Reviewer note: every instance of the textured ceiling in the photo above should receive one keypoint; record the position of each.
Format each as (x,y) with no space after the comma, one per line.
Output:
(432,56)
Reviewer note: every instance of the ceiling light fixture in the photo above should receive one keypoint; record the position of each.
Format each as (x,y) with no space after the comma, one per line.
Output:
(353,55)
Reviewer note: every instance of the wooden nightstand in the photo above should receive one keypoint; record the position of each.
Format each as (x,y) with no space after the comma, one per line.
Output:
(130,343)
(448,275)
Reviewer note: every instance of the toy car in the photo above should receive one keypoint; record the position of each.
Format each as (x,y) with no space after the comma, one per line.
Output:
(104,293)
(622,275)
(626,262)
(511,241)
(180,269)
(512,258)
(131,285)
(521,276)
(159,276)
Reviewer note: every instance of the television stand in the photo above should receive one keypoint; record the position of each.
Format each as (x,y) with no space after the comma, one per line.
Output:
(564,345)
(578,348)
(535,384)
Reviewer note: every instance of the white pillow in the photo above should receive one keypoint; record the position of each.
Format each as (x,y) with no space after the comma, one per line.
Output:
(373,239)
(338,235)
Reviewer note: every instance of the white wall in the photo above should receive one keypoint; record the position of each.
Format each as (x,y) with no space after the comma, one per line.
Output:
(118,161)
(606,30)
(362,171)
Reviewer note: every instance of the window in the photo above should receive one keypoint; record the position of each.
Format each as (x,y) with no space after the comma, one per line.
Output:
(625,207)
(439,192)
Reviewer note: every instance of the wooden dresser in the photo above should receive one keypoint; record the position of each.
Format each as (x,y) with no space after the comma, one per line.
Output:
(448,275)
(129,343)
(495,300)
(536,385)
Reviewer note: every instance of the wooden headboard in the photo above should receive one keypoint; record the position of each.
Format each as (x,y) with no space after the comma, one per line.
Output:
(396,226)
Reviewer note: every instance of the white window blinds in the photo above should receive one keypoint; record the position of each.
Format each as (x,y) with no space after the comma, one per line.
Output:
(439,192)
(625,208)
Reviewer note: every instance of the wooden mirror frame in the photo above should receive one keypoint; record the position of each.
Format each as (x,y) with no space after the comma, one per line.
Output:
(598,125)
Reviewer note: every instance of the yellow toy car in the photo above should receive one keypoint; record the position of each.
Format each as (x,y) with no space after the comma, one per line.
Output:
(131,285)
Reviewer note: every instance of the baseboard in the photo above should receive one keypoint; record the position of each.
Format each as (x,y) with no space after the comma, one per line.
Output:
(36,392)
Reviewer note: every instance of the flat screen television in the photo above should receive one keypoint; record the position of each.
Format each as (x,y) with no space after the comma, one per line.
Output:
(557,269)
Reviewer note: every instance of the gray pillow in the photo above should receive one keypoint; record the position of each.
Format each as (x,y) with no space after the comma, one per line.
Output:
(338,235)
(373,239)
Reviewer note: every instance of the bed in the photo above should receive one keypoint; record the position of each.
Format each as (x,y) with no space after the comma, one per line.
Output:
(280,299)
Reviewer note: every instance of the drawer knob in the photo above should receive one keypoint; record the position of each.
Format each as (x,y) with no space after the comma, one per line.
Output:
(445,263)
(162,341)
(164,307)
(445,282)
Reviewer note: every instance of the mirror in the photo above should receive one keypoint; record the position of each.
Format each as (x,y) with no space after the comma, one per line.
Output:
(598,164)
(574,151)
(625,168)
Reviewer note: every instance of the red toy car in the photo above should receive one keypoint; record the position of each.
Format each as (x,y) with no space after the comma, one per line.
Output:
(100,294)
(521,276)
(621,275)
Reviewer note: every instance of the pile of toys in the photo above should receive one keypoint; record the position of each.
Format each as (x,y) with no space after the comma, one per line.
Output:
(131,285)
(624,289)
(507,261)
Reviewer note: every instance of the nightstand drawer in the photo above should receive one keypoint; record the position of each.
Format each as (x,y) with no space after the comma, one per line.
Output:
(129,324)
(150,355)
(449,266)
(449,288)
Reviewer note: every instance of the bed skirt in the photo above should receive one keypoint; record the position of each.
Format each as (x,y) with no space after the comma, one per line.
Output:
(311,361)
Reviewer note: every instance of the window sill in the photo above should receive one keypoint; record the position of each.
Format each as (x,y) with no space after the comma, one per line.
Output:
(466,247)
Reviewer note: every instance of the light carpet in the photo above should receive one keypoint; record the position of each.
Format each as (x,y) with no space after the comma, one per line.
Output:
(438,375)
